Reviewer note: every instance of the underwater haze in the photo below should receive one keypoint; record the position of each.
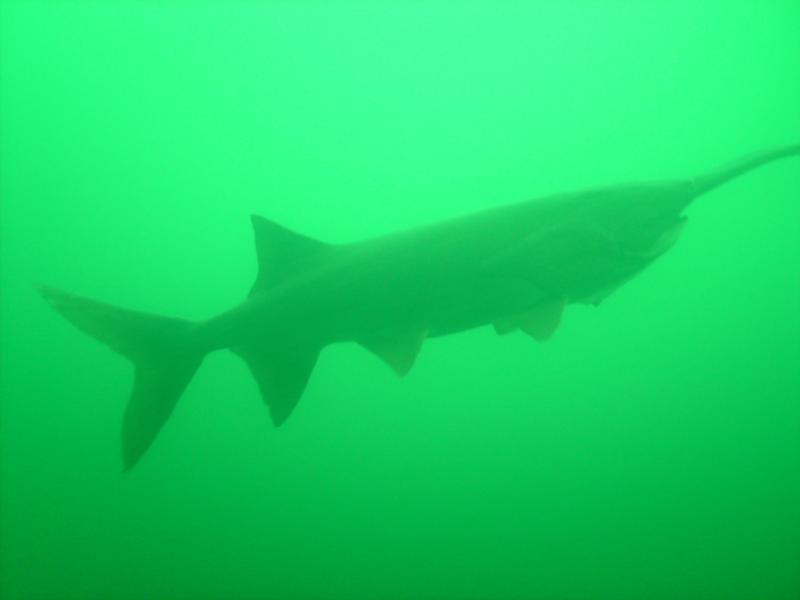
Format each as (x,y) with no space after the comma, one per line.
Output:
(649,449)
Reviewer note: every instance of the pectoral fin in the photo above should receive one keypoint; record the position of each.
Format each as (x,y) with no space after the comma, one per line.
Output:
(506,325)
(399,351)
(540,322)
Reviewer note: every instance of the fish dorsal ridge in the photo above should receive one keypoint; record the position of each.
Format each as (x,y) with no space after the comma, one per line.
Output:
(280,252)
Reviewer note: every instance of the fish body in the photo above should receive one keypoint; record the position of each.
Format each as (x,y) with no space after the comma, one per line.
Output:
(515,267)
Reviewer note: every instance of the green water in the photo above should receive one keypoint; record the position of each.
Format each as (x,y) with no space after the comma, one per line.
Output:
(651,449)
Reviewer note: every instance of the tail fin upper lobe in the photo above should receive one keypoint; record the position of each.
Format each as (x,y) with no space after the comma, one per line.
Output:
(162,354)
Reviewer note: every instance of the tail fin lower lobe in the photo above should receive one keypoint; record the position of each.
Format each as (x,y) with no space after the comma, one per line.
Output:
(160,350)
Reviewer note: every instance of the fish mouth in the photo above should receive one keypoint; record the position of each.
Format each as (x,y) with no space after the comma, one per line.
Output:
(653,239)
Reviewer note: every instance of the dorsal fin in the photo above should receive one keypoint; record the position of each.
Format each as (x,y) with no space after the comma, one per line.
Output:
(280,251)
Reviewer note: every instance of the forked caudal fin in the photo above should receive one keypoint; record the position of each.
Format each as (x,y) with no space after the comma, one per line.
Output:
(166,354)
(160,350)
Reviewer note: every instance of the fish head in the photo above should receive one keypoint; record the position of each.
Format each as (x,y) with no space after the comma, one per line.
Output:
(643,220)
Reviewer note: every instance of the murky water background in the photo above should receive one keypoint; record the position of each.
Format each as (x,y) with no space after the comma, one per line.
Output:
(651,449)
